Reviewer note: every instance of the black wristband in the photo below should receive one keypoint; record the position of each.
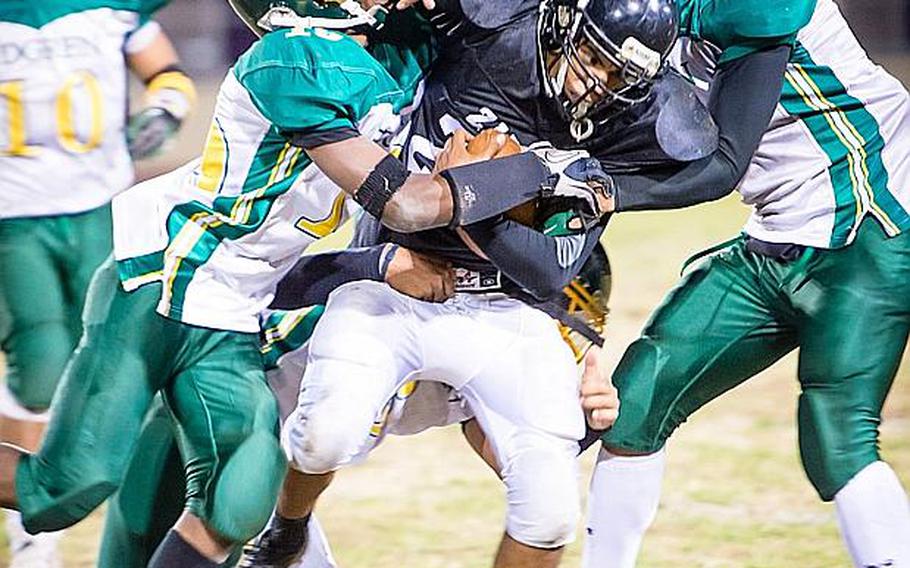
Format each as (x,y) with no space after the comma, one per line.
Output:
(386,178)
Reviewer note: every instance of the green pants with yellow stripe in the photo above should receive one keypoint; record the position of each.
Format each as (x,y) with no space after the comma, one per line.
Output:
(848,310)
(46,264)
(213,385)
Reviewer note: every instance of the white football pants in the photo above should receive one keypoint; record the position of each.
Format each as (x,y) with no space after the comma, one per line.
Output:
(506,359)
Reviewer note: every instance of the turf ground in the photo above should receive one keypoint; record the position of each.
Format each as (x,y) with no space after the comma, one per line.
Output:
(734,495)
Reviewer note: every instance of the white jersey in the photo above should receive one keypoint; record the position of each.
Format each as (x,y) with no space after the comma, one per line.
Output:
(228,227)
(838,146)
(63,93)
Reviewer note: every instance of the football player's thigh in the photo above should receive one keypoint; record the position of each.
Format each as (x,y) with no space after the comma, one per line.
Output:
(527,404)
(855,328)
(34,332)
(721,325)
(361,351)
(91,243)
(467,335)
(284,380)
(532,382)
(227,422)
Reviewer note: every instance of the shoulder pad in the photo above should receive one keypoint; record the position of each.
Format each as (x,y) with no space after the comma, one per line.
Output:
(312,80)
(305,47)
(37,14)
(672,126)
(491,14)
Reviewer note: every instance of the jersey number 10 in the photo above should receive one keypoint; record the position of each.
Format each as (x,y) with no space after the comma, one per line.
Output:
(11,94)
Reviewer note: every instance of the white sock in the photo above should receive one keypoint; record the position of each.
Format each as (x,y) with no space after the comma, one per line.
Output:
(30,551)
(622,504)
(874,517)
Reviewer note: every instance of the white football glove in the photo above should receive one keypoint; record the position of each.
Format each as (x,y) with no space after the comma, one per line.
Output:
(576,175)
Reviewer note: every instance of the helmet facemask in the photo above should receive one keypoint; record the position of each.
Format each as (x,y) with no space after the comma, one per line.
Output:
(341,15)
(566,30)
(590,306)
(586,298)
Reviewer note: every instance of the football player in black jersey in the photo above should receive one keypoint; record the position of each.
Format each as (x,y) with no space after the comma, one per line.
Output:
(492,82)
(568,88)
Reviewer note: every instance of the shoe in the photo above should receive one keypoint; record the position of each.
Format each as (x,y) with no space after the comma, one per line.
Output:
(280,545)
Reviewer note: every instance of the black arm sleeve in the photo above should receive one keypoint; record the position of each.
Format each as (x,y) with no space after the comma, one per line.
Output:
(539,263)
(485,189)
(314,276)
(743,97)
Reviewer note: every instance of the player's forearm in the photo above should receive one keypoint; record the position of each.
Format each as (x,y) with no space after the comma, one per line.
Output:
(744,95)
(408,202)
(539,263)
(314,276)
(465,194)
(150,52)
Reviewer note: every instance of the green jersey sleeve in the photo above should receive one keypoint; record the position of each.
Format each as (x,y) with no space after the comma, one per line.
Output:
(741,27)
(312,81)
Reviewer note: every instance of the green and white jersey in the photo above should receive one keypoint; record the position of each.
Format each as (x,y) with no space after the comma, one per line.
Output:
(838,146)
(63,96)
(230,226)
(285,332)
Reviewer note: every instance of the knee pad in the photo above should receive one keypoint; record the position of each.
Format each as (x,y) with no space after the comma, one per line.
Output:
(246,488)
(834,447)
(644,424)
(542,496)
(317,442)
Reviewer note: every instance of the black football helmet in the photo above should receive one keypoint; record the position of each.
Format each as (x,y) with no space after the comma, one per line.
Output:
(587,297)
(635,36)
(264,16)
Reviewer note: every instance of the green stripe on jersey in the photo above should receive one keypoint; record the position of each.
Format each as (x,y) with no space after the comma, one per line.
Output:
(852,141)
(195,230)
(283,332)
(36,13)
(140,270)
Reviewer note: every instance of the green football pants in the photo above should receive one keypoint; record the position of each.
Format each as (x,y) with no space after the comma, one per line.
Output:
(149,500)
(46,264)
(848,310)
(214,387)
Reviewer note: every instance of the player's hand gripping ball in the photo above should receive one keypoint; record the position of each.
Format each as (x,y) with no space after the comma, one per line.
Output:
(461,149)
(491,138)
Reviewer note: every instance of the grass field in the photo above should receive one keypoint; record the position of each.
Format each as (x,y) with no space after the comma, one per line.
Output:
(734,495)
